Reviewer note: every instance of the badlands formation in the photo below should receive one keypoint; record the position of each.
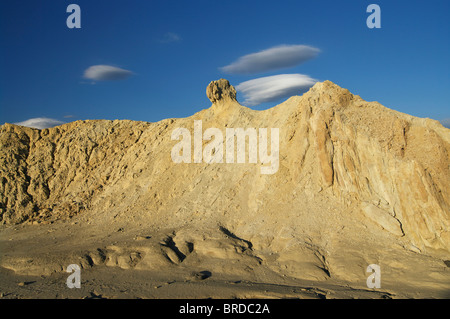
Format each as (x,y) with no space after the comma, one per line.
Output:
(356,184)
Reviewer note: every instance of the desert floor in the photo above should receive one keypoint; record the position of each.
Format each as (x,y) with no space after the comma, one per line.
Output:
(34,257)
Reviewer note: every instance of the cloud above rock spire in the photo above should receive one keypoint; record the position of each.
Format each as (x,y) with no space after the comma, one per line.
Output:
(275,58)
(273,88)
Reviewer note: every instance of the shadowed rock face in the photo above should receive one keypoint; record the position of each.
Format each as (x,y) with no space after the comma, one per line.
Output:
(220,90)
(352,174)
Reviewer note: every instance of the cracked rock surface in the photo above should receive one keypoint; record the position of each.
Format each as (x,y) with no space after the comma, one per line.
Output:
(357,184)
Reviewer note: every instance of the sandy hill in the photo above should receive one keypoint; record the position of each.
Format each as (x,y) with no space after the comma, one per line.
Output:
(356,184)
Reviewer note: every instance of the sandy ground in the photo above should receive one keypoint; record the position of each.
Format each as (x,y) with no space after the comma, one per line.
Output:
(37,256)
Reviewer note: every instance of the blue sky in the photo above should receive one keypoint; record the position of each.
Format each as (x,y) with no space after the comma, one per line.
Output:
(170,50)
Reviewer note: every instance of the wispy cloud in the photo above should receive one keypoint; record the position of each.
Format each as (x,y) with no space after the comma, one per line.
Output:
(106,73)
(445,122)
(40,123)
(273,88)
(170,37)
(275,58)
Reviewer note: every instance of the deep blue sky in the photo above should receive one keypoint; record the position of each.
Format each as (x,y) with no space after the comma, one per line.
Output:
(404,65)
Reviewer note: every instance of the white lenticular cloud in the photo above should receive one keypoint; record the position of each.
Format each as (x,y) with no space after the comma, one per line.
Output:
(275,58)
(272,88)
(40,123)
(106,73)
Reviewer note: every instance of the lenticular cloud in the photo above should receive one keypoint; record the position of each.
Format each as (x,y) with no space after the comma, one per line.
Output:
(273,88)
(40,123)
(106,73)
(279,57)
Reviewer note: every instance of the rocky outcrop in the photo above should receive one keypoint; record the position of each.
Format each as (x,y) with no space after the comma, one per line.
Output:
(347,167)
(394,166)
(220,90)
